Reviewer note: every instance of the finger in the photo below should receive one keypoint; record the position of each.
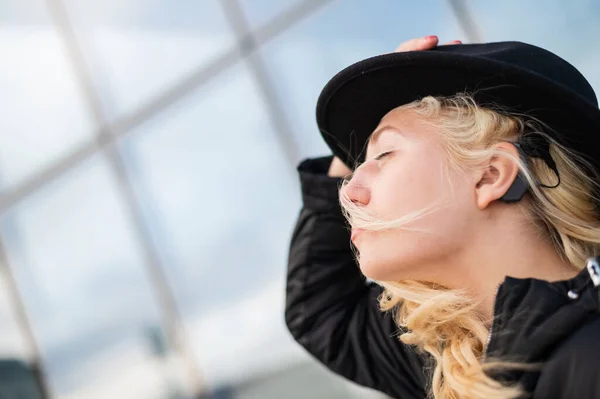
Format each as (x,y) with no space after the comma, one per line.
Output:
(452,42)
(421,43)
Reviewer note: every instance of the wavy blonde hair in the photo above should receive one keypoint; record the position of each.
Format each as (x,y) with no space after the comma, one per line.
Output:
(444,322)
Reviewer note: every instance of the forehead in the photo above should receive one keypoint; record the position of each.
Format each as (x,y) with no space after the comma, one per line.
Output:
(382,132)
(397,120)
(401,123)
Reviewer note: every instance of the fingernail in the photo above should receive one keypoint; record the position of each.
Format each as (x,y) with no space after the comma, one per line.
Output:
(457,41)
(430,37)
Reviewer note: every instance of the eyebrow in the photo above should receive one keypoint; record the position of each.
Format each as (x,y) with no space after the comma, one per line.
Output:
(375,136)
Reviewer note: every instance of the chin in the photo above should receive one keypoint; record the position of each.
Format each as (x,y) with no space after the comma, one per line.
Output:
(408,260)
(380,269)
(400,255)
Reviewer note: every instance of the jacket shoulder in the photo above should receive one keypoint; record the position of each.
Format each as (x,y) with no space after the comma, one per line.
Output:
(572,370)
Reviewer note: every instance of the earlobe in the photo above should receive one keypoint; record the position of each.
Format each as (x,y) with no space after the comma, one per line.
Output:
(486,190)
(496,179)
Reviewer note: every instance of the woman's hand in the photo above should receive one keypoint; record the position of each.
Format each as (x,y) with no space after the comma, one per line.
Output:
(422,43)
(337,167)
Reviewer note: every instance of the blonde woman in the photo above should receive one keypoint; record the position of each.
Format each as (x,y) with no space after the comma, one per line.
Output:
(471,205)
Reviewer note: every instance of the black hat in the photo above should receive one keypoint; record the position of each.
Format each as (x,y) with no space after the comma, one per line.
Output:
(518,77)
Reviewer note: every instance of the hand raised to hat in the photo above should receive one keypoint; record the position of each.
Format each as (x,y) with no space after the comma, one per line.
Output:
(422,43)
(337,167)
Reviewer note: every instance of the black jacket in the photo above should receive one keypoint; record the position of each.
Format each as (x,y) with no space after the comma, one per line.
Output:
(333,313)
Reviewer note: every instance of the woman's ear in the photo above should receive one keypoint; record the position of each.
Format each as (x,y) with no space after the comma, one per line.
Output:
(498,174)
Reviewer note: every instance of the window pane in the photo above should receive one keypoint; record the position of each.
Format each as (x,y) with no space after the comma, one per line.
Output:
(43,118)
(300,61)
(303,381)
(12,344)
(222,201)
(79,269)
(569,29)
(17,379)
(137,49)
(258,12)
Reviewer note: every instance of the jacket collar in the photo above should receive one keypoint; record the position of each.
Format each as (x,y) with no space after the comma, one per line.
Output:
(532,317)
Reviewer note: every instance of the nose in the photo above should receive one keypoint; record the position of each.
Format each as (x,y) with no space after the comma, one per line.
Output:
(357,191)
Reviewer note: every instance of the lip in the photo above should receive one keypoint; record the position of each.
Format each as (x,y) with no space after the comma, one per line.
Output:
(355,233)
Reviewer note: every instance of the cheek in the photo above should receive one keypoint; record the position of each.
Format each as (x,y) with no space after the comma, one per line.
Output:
(407,186)
(430,240)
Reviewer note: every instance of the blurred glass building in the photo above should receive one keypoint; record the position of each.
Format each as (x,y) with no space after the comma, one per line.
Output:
(148,186)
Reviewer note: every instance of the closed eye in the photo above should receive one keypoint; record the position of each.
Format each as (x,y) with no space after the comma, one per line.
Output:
(382,155)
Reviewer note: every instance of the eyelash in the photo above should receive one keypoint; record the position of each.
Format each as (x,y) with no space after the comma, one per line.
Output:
(382,155)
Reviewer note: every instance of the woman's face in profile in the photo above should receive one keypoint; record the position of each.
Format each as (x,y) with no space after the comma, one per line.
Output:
(406,171)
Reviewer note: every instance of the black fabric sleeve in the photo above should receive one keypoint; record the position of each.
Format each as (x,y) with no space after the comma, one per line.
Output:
(330,309)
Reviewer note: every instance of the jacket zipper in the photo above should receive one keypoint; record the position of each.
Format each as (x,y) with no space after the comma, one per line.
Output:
(487,344)
(594,270)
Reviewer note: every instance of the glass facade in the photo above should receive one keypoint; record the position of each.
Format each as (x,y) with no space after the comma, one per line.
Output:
(148,188)
(45,115)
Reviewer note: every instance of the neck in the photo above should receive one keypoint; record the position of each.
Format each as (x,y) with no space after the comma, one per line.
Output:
(512,248)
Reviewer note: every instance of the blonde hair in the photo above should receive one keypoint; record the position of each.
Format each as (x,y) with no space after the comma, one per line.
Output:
(444,322)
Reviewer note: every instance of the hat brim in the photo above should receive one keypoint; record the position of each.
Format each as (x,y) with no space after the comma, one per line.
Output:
(353,102)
